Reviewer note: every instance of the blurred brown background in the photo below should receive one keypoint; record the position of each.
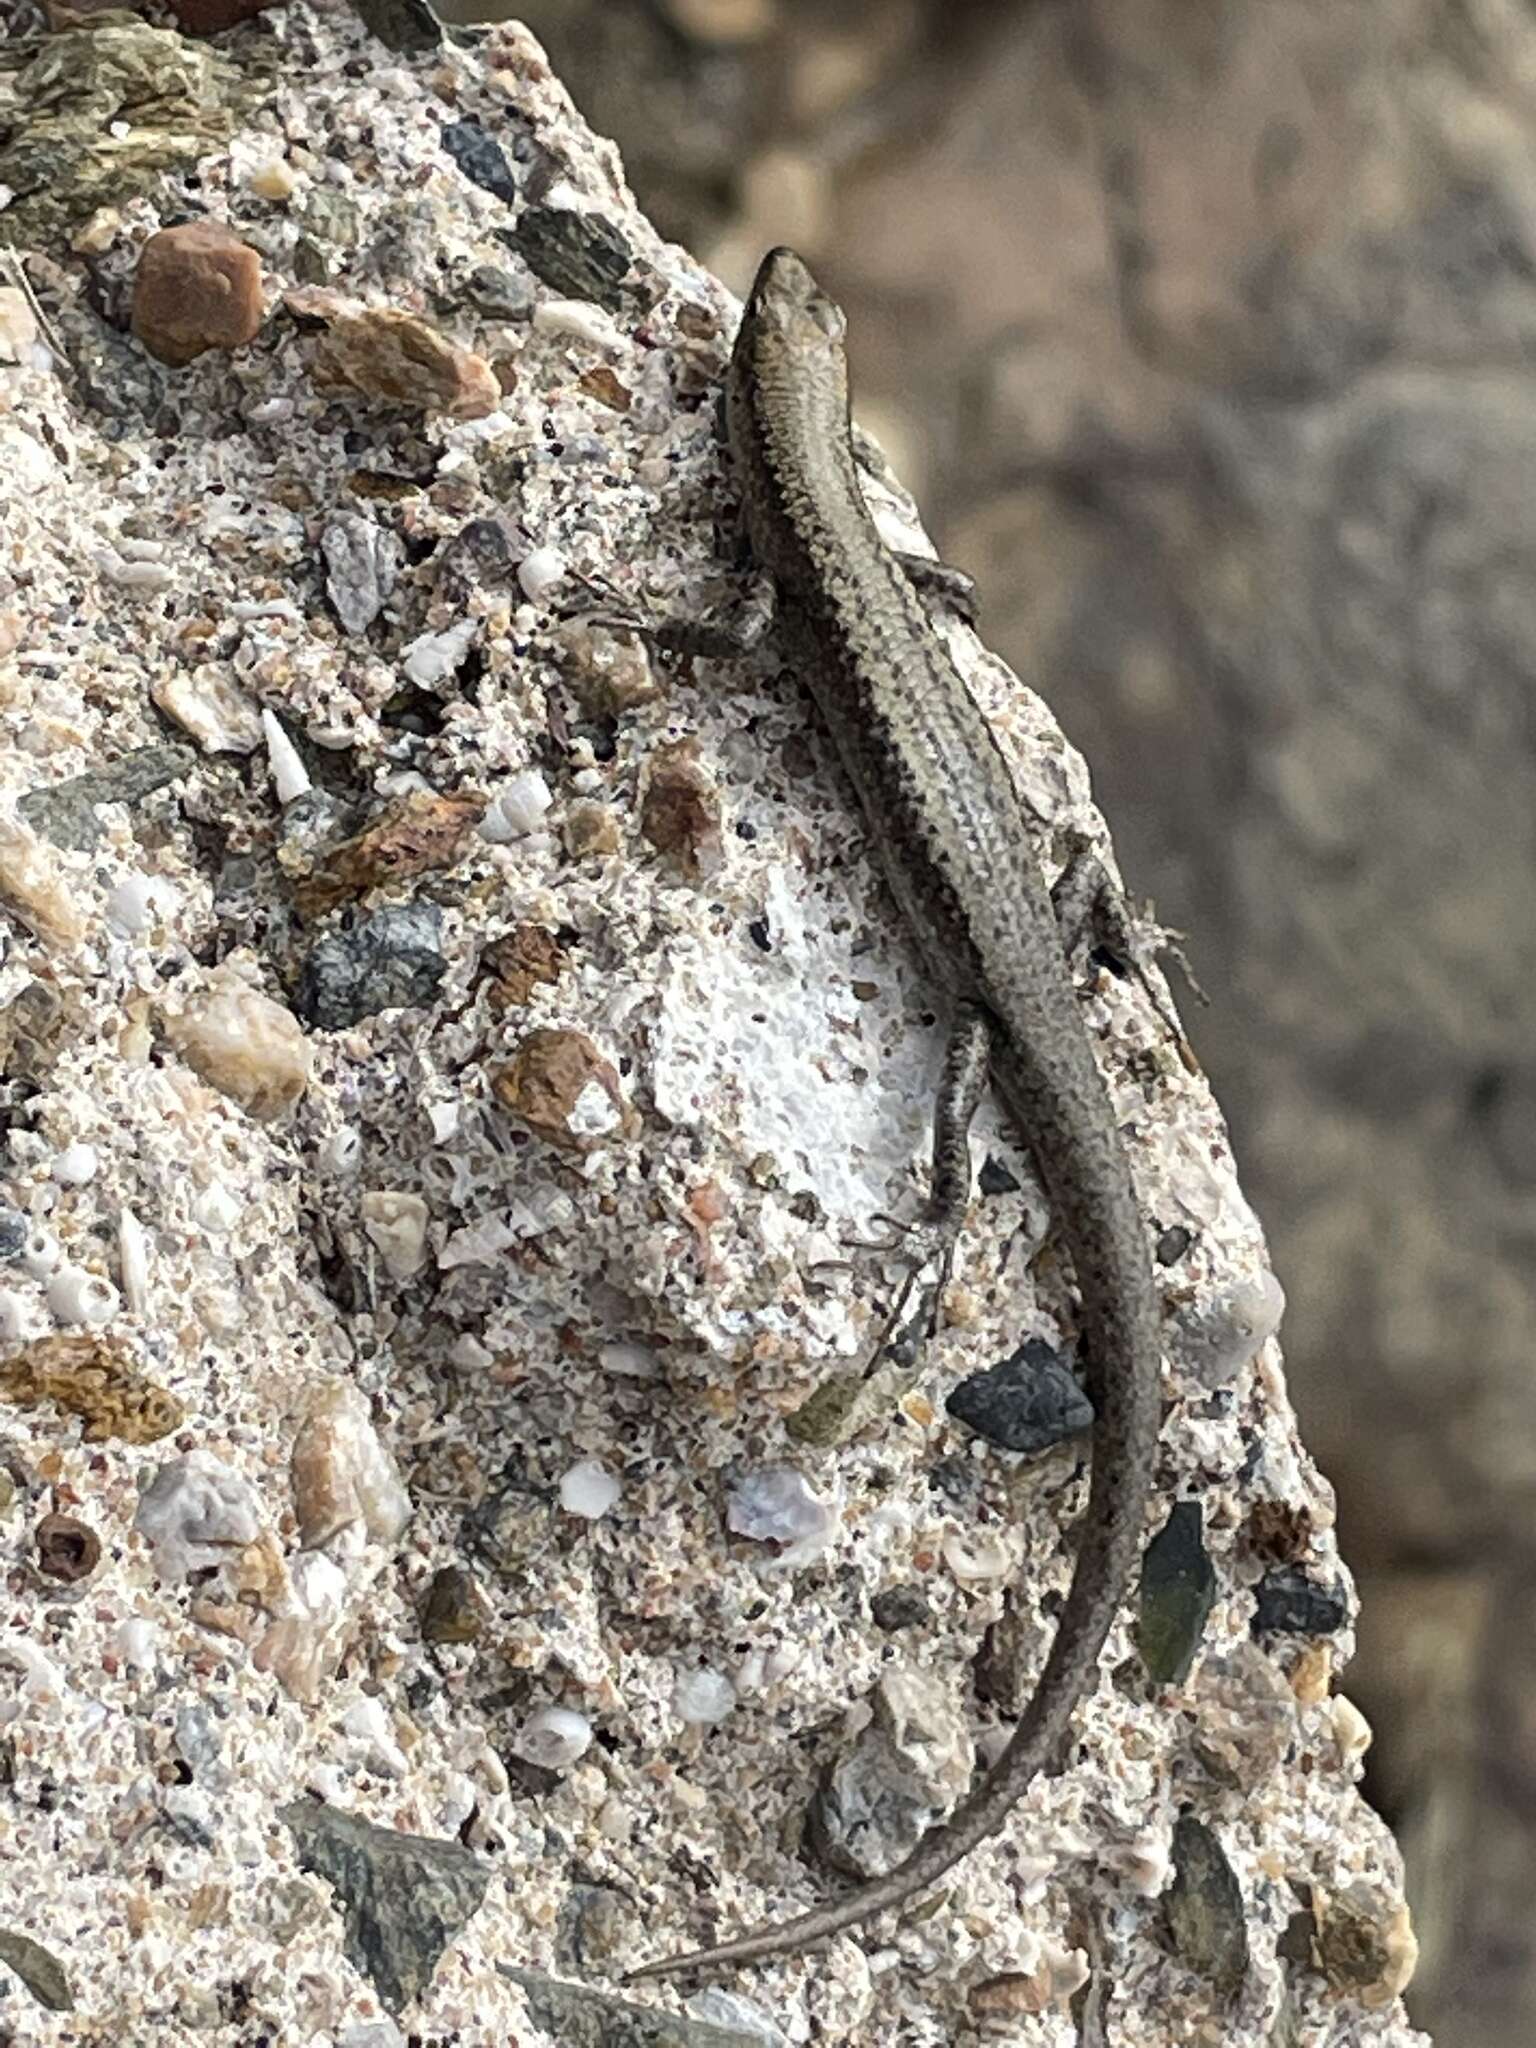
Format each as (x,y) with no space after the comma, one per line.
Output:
(1205,334)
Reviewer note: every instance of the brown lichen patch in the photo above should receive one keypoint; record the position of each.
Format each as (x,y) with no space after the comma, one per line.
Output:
(523,959)
(417,833)
(561,1087)
(97,1378)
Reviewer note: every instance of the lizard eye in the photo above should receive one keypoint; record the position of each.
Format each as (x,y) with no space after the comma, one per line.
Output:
(828,317)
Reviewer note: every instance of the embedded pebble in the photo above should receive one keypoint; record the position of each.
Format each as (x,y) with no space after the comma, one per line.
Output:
(540,571)
(680,813)
(14,1230)
(562,1088)
(406,1898)
(1178,1590)
(589,1490)
(455,1609)
(397,358)
(1204,1908)
(66,1548)
(1288,1602)
(362,561)
(397,1224)
(1365,1943)
(415,834)
(908,1767)
(578,255)
(778,1504)
(136,905)
(1214,1339)
(434,659)
(390,960)
(703,1697)
(196,1512)
(75,1165)
(1027,1403)
(244,1044)
(342,1473)
(38,1968)
(553,1738)
(290,778)
(211,706)
(32,885)
(518,808)
(480,157)
(197,287)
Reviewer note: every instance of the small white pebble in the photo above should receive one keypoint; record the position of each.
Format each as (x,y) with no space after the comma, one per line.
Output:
(136,1643)
(342,1151)
(434,658)
(216,1209)
(137,904)
(397,1224)
(75,1165)
(578,318)
(703,1698)
(778,1504)
(470,1355)
(273,180)
(133,1261)
(553,1737)
(976,1558)
(134,549)
(76,1296)
(629,1361)
(1351,1730)
(539,572)
(290,777)
(588,1489)
(444,1118)
(13,1316)
(519,808)
(368,1722)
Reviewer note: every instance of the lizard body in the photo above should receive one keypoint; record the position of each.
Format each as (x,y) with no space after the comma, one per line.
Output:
(952,839)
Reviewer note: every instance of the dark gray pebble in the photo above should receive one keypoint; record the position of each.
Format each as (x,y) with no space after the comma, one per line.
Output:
(1027,1403)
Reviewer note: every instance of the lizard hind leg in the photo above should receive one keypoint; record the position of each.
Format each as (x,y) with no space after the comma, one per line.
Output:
(930,1243)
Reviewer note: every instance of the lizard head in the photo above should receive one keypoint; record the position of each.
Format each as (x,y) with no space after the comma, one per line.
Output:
(787,303)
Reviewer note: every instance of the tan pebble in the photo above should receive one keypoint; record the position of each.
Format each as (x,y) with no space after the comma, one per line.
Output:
(341,1472)
(273,180)
(1351,1730)
(608,668)
(197,287)
(398,359)
(1312,1674)
(1058,1977)
(33,886)
(244,1044)
(591,831)
(18,326)
(560,1085)
(211,707)
(96,1378)
(1366,1947)
(680,811)
(98,234)
(602,384)
(417,833)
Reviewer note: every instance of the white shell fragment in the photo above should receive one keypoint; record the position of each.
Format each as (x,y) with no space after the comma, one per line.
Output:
(589,1490)
(553,1737)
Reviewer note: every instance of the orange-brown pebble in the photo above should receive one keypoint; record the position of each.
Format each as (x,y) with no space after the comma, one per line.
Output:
(398,359)
(198,287)
(680,815)
(556,1083)
(419,832)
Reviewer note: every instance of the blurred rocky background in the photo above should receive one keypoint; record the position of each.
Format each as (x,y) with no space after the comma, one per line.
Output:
(1205,334)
